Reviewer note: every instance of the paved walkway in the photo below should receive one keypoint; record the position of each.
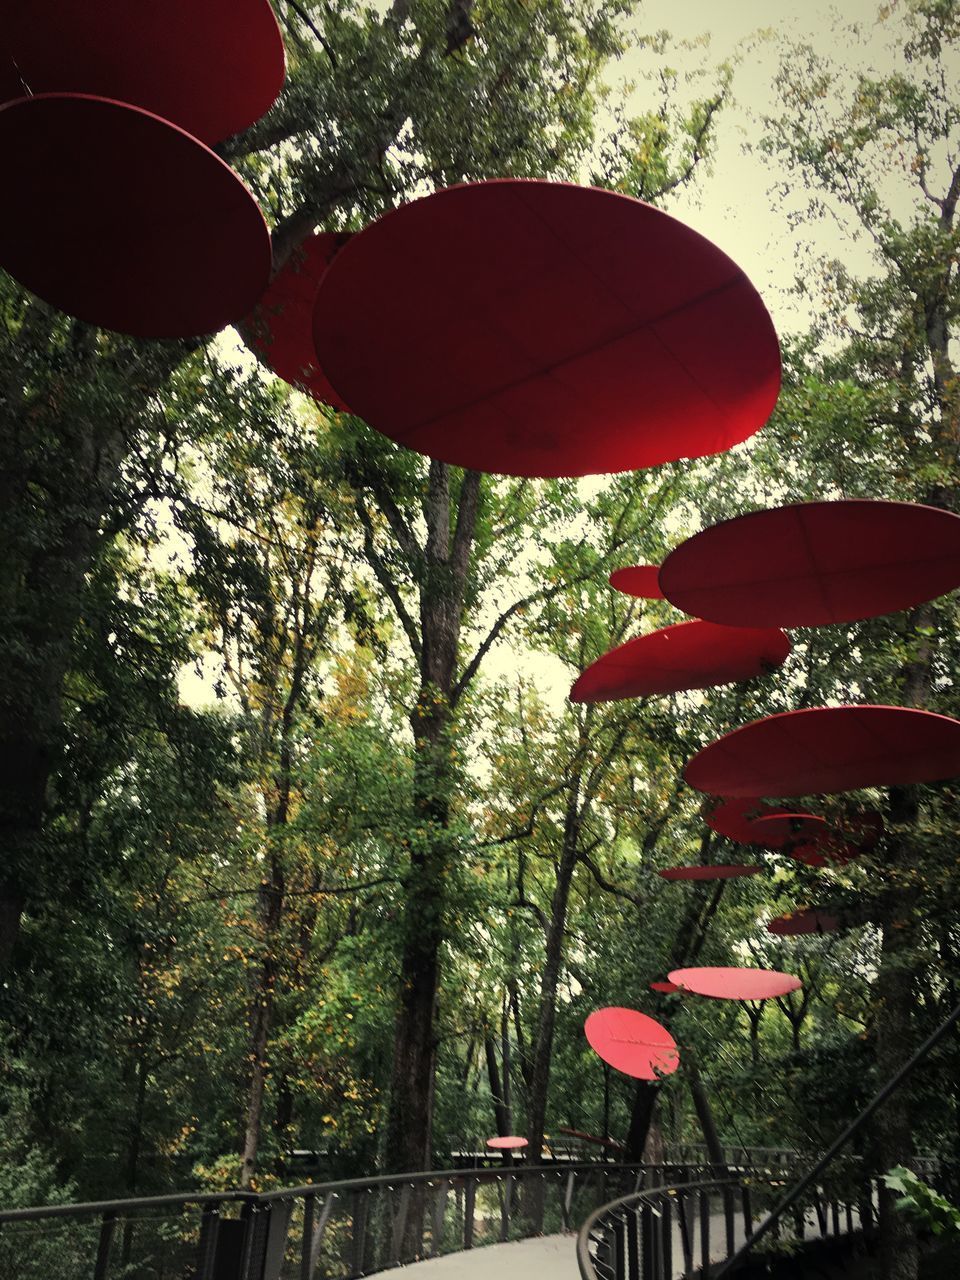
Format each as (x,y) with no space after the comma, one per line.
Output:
(546,1258)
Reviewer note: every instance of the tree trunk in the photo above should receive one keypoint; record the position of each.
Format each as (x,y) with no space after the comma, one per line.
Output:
(261,1019)
(703,1109)
(543,1045)
(442,577)
(641,1118)
(501,1114)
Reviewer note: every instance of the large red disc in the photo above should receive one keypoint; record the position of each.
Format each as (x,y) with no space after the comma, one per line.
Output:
(815,563)
(632,1043)
(717,871)
(688,655)
(638,580)
(806,920)
(735,983)
(827,749)
(212,68)
(125,221)
(542,329)
(511,1142)
(281,327)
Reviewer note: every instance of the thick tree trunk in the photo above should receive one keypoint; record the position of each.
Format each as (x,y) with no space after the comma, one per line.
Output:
(641,1118)
(261,1021)
(703,1109)
(543,1045)
(442,577)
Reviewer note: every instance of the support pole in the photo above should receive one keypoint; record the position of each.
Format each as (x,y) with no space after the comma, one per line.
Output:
(794,1194)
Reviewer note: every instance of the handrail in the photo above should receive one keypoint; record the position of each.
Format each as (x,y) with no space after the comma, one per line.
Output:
(634,1235)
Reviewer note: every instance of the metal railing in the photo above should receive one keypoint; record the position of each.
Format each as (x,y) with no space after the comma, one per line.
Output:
(337,1231)
(686,1231)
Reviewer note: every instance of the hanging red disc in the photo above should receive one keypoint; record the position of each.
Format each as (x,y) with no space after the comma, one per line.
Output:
(815,563)
(632,1043)
(860,828)
(829,749)
(510,1142)
(736,819)
(557,331)
(688,655)
(664,988)
(211,68)
(281,326)
(735,983)
(125,221)
(717,871)
(807,920)
(638,580)
(782,829)
(828,852)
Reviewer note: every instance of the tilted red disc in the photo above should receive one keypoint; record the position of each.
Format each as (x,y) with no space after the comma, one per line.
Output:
(280,328)
(828,749)
(511,1142)
(125,221)
(211,68)
(717,871)
(632,1043)
(688,655)
(638,580)
(735,983)
(815,563)
(542,329)
(664,988)
(807,920)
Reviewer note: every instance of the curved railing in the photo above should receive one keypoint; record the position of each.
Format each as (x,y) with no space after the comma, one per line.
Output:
(337,1230)
(690,1229)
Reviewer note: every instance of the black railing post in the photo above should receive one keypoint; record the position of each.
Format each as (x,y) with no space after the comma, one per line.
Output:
(705,1234)
(207,1245)
(469,1203)
(633,1244)
(108,1225)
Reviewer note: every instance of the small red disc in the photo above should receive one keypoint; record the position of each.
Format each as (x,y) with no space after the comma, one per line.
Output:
(280,327)
(638,580)
(717,871)
(807,920)
(664,988)
(511,1142)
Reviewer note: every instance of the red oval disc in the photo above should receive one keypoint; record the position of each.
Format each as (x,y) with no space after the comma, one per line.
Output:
(638,580)
(736,983)
(281,325)
(718,871)
(557,331)
(99,222)
(632,1043)
(815,563)
(664,988)
(827,852)
(509,1143)
(806,920)
(211,68)
(827,749)
(688,655)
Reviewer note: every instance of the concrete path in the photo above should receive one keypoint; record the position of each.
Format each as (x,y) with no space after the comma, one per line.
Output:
(546,1258)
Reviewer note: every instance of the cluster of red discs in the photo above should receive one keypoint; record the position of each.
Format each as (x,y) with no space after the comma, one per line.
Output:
(117,210)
